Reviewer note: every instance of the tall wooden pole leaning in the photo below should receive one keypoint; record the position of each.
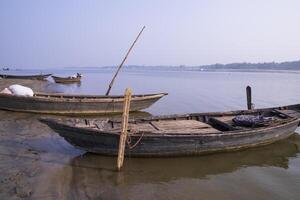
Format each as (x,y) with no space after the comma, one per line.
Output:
(123,135)
(114,77)
(249,97)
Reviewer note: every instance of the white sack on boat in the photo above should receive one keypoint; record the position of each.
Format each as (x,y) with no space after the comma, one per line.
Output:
(21,90)
(6,91)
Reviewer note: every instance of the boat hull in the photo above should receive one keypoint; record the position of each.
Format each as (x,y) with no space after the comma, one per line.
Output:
(169,145)
(68,104)
(32,77)
(66,80)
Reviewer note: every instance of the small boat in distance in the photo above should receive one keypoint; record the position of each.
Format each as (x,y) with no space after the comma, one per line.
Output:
(32,77)
(70,79)
(5,69)
(70,104)
(180,135)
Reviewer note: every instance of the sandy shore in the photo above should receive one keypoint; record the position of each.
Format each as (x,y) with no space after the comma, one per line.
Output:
(20,133)
(36,163)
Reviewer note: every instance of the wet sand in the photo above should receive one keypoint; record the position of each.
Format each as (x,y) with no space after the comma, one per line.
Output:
(36,163)
(19,161)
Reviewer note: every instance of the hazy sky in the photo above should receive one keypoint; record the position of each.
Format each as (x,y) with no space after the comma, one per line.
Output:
(58,33)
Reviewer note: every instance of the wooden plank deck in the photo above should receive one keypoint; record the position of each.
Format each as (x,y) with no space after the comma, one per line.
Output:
(175,127)
(155,127)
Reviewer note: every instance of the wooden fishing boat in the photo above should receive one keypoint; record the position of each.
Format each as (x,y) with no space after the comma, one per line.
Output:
(69,79)
(178,135)
(74,104)
(33,77)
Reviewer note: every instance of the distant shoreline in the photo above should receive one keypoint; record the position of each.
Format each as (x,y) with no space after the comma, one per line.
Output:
(283,67)
(144,69)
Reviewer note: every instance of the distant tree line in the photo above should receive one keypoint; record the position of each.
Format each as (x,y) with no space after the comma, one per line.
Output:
(293,65)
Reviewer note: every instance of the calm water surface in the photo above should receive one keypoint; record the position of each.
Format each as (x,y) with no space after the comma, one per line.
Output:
(196,91)
(270,172)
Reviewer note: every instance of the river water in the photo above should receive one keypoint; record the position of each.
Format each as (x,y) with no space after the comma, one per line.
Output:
(56,170)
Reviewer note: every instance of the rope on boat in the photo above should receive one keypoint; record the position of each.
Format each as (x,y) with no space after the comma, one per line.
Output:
(137,142)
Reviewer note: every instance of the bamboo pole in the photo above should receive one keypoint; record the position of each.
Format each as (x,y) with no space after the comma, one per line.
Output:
(114,77)
(123,135)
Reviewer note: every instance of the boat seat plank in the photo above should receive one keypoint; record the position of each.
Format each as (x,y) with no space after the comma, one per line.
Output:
(226,119)
(189,131)
(183,127)
(83,125)
(100,124)
(132,128)
(288,113)
(179,124)
(141,127)
(225,124)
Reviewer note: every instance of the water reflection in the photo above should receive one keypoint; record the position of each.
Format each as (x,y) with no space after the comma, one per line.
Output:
(77,84)
(156,170)
(61,88)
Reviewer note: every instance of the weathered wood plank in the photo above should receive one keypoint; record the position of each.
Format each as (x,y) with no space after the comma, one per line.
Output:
(180,124)
(288,113)
(189,131)
(226,126)
(123,135)
(225,119)
(141,127)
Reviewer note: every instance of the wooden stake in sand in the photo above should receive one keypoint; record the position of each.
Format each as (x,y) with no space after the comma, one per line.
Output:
(123,135)
(249,98)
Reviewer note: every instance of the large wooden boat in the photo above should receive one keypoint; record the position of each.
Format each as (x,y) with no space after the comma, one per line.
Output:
(74,104)
(69,79)
(33,77)
(179,135)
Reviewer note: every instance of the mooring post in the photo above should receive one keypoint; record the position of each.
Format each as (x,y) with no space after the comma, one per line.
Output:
(123,135)
(249,97)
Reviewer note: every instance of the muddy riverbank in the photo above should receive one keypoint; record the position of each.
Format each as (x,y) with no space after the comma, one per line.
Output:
(19,161)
